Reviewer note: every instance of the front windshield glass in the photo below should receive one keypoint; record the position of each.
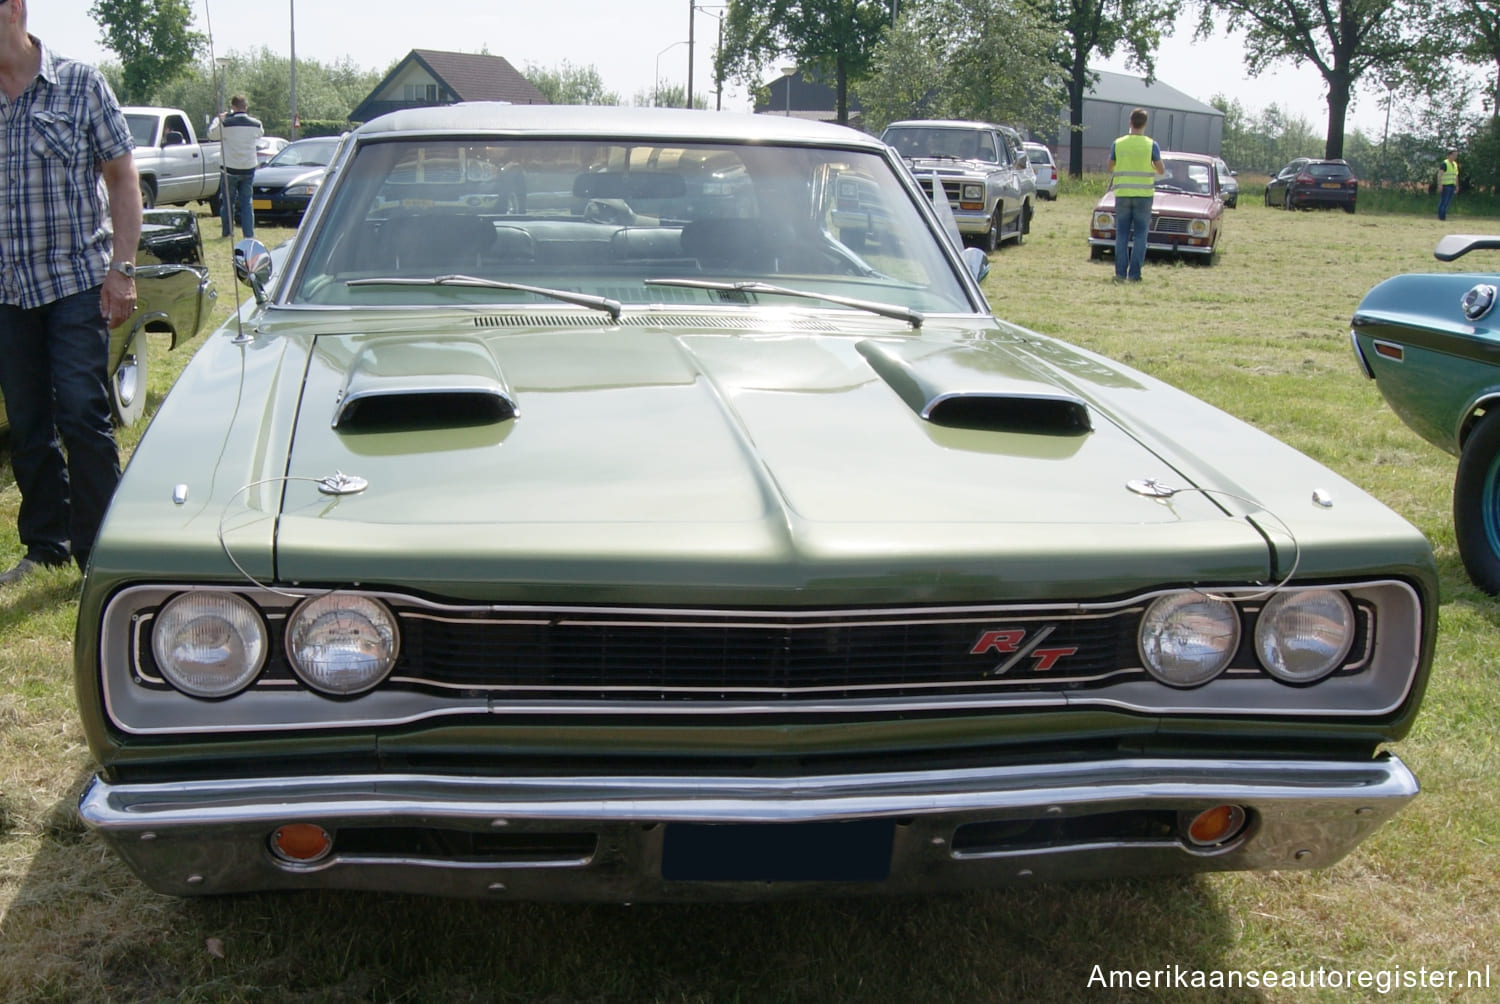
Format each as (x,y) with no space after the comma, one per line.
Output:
(1186,176)
(606,218)
(942,143)
(305,153)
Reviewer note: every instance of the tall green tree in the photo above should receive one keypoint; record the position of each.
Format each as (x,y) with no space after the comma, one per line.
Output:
(153,38)
(1086,28)
(831,40)
(965,59)
(571,85)
(1344,40)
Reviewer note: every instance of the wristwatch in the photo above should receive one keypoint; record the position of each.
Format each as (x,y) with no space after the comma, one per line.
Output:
(125,268)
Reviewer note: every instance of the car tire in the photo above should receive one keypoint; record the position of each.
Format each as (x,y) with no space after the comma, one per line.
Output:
(1476,505)
(1268,198)
(148,193)
(1349,209)
(990,243)
(1286,203)
(127,385)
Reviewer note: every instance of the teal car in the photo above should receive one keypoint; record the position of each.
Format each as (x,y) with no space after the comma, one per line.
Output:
(1431,345)
(571,513)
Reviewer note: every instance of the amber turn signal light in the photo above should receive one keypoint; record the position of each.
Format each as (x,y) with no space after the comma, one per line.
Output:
(1217,825)
(301,843)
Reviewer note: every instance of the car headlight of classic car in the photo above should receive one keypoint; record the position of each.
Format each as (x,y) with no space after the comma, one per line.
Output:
(209,644)
(341,643)
(1104,221)
(1198,228)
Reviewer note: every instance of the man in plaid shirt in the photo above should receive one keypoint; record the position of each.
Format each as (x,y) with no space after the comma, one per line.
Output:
(70,220)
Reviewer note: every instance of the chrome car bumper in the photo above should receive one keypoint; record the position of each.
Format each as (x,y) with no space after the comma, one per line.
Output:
(684,838)
(1165,247)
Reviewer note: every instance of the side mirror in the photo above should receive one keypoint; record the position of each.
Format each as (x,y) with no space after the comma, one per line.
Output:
(977,263)
(174,138)
(252,266)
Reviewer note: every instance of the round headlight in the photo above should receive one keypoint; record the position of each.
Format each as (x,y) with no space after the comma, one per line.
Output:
(1198,228)
(1303,636)
(1187,638)
(209,644)
(341,644)
(1104,221)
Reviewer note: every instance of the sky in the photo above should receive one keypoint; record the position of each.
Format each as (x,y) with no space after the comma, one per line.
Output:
(627,41)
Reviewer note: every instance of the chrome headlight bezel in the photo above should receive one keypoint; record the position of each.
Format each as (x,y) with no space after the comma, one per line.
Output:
(1198,228)
(360,637)
(208,622)
(1104,221)
(971,191)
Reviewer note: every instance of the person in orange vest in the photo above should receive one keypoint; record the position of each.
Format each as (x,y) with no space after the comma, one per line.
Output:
(1449,182)
(1135,162)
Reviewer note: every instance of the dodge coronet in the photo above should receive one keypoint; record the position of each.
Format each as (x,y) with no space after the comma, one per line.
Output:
(571,514)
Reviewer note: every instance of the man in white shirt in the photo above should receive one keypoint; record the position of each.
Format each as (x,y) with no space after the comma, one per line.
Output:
(237,131)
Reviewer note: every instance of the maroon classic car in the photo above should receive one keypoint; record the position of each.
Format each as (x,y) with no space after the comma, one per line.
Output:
(1187,214)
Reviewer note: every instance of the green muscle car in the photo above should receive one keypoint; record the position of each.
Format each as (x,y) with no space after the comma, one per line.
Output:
(572,514)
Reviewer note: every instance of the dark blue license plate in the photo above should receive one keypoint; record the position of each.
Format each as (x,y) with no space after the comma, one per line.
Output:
(854,851)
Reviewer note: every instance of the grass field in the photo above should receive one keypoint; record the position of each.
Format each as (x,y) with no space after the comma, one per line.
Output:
(1263,334)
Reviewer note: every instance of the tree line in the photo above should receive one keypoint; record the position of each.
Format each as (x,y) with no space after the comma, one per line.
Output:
(1017,61)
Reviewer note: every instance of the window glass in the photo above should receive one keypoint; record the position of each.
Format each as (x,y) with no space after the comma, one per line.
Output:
(603,218)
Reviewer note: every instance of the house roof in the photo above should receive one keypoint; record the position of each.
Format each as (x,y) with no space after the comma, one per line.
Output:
(477,76)
(1125,89)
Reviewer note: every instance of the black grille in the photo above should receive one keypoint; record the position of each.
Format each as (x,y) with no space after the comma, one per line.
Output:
(766,659)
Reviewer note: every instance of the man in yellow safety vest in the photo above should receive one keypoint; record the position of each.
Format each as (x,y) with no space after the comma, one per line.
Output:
(1135,163)
(1449,182)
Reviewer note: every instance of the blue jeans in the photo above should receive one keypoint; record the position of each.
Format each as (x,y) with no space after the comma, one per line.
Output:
(1445,200)
(1132,224)
(54,363)
(235,198)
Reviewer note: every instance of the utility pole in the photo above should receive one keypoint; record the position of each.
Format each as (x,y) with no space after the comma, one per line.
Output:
(688,101)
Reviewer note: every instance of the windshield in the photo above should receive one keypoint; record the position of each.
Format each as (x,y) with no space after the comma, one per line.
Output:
(605,218)
(1186,176)
(305,153)
(953,142)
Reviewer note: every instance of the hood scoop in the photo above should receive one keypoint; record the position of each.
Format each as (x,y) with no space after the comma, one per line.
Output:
(401,386)
(965,387)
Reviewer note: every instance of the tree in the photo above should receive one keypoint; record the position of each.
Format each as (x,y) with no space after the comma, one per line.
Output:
(1086,27)
(153,39)
(965,59)
(1342,39)
(827,39)
(571,85)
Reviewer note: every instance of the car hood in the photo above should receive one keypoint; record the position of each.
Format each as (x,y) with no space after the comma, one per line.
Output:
(669,461)
(1175,203)
(284,177)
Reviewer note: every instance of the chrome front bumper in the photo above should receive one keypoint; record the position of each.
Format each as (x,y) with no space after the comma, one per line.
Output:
(604,838)
(1165,247)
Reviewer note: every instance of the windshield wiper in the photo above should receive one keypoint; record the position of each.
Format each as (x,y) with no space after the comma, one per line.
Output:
(604,303)
(912,317)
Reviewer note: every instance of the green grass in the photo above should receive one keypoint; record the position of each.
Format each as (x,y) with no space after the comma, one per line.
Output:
(1264,334)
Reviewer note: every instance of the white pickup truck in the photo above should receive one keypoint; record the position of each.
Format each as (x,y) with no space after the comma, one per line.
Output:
(175,168)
